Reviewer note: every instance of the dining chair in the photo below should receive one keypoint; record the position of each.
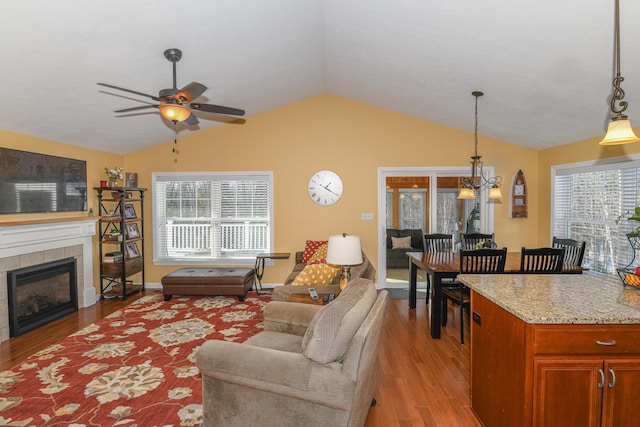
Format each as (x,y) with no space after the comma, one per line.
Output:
(471,261)
(470,240)
(542,260)
(437,242)
(574,250)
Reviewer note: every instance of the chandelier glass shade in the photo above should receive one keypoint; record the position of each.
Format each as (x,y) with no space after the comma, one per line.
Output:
(619,130)
(477,181)
(174,112)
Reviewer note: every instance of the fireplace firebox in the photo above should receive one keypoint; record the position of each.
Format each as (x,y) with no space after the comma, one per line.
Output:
(40,294)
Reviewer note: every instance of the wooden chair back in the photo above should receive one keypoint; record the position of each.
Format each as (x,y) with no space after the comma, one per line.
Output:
(470,240)
(483,260)
(438,242)
(542,260)
(574,250)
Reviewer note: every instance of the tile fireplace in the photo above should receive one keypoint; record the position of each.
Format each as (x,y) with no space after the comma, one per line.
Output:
(28,243)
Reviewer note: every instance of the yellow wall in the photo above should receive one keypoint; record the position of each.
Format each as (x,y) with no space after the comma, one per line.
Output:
(329,132)
(348,137)
(96,162)
(581,151)
(321,132)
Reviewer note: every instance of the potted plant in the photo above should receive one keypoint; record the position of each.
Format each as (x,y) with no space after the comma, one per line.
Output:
(114,175)
(635,217)
(112,234)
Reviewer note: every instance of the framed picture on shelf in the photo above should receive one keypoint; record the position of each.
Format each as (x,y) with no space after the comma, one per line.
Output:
(131,180)
(129,211)
(132,250)
(518,190)
(132,230)
(518,202)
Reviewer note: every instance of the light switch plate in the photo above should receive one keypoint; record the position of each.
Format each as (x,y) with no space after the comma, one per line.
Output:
(366,216)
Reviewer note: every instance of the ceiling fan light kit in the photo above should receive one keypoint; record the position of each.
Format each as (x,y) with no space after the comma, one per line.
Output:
(619,130)
(175,104)
(174,112)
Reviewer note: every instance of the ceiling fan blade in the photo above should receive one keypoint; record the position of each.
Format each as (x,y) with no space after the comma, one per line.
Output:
(191,120)
(126,110)
(191,91)
(155,98)
(210,108)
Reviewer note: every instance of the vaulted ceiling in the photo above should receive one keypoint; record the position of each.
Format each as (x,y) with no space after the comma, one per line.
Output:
(545,66)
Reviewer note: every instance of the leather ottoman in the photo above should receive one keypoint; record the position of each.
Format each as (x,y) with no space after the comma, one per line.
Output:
(208,281)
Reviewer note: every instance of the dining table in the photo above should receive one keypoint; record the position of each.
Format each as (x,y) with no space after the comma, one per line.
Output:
(446,265)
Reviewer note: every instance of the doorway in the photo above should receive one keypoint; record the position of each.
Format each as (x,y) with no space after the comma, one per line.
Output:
(425,199)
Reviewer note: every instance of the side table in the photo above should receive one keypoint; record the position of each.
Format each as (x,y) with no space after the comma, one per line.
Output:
(260,258)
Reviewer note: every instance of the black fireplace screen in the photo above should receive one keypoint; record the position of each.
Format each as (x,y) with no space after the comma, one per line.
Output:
(40,294)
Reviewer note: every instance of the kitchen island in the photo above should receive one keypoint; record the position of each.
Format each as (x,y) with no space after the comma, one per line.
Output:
(554,350)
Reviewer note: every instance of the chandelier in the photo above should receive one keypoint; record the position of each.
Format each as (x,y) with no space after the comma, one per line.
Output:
(619,130)
(477,181)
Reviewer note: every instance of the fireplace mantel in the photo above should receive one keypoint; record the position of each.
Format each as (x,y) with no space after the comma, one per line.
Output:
(20,240)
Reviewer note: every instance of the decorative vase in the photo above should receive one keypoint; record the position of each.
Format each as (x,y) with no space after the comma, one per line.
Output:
(113,184)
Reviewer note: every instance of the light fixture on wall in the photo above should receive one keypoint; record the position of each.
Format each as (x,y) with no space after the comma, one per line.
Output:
(619,130)
(344,250)
(477,181)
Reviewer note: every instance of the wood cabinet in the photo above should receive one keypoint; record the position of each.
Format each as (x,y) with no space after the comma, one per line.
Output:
(121,247)
(552,375)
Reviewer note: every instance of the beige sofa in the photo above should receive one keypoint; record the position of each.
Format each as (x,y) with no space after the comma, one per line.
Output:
(365,270)
(310,366)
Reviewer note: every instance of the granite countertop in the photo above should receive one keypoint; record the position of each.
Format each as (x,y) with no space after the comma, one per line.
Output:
(559,298)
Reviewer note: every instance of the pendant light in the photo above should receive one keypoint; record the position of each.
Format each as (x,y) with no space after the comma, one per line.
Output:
(619,130)
(478,181)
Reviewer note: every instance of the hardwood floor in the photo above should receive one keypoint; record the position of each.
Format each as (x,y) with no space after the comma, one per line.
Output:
(421,381)
(17,349)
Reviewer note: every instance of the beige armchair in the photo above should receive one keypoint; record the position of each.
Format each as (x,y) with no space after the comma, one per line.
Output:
(310,366)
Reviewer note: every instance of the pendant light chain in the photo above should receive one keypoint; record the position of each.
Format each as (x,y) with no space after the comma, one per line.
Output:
(618,92)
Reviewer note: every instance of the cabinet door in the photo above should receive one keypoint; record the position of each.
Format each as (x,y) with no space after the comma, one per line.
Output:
(566,392)
(621,393)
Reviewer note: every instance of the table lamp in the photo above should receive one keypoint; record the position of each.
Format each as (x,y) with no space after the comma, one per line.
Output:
(344,250)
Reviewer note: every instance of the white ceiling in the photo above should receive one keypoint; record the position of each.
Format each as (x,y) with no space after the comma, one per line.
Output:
(545,66)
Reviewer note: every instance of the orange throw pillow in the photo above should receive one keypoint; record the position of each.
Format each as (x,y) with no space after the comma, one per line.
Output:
(310,248)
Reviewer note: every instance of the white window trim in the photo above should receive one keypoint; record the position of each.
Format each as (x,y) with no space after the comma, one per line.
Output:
(619,162)
(193,175)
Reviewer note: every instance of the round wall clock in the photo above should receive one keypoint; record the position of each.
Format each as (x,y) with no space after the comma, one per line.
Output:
(325,187)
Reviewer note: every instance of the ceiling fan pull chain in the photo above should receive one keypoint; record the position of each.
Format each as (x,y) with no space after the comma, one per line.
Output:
(175,142)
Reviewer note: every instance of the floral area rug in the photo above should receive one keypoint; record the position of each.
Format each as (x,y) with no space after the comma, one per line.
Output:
(134,368)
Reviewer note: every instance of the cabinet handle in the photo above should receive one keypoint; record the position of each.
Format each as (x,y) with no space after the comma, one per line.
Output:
(613,378)
(609,343)
(601,383)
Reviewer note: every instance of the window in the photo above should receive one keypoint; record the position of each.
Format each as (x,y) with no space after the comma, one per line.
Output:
(412,207)
(588,201)
(211,218)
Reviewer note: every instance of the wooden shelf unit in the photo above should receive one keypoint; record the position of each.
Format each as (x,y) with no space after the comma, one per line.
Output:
(115,204)
(518,197)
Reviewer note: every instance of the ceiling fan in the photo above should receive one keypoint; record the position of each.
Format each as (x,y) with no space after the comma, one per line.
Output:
(176,104)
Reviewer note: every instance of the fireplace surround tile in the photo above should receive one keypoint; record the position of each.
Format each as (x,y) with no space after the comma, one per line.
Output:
(24,245)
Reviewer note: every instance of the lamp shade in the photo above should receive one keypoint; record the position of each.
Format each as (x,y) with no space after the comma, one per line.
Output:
(495,193)
(174,112)
(344,249)
(619,132)
(467,193)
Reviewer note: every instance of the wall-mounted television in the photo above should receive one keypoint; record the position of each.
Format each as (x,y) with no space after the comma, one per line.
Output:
(33,182)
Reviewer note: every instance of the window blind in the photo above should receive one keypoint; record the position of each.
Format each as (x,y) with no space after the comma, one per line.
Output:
(216,217)
(591,203)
